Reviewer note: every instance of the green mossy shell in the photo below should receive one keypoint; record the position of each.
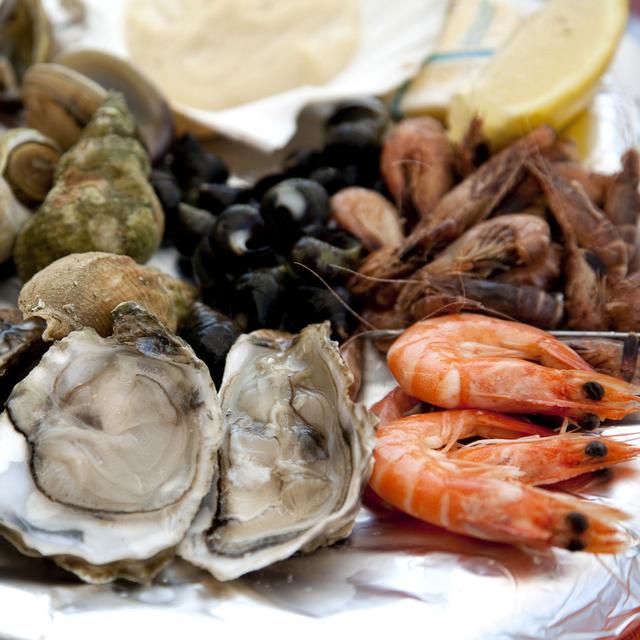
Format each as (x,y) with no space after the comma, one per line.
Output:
(101,199)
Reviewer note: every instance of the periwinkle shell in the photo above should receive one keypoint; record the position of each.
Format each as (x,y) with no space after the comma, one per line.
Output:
(210,334)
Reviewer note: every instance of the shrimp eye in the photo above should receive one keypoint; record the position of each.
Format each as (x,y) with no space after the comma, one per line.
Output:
(596,449)
(575,545)
(481,154)
(589,422)
(578,522)
(593,390)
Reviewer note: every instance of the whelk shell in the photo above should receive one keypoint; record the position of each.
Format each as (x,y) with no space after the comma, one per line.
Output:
(101,199)
(28,160)
(81,290)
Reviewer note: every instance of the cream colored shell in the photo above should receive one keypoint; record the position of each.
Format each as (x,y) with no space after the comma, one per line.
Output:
(82,289)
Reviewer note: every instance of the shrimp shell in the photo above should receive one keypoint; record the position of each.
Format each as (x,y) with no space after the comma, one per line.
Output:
(490,501)
(584,290)
(622,202)
(572,208)
(492,245)
(521,302)
(473,361)
(542,272)
(617,358)
(623,304)
(466,204)
(416,164)
(367,215)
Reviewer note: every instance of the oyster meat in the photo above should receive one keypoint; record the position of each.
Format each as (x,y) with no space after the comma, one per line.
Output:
(20,347)
(295,458)
(107,448)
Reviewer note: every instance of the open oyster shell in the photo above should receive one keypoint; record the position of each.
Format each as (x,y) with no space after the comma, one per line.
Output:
(107,448)
(295,458)
(20,347)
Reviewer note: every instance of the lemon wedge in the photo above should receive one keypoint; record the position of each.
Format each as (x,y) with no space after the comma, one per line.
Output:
(545,74)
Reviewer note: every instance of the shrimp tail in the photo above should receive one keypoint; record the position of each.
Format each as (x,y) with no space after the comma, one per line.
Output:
(394,405)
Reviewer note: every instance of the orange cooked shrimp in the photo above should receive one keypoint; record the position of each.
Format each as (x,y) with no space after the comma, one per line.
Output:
(474,361)
(494,501)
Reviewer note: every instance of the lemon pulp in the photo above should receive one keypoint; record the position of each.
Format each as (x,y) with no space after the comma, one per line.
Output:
(545,74)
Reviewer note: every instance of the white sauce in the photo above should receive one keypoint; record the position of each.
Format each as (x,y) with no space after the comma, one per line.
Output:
(215,54)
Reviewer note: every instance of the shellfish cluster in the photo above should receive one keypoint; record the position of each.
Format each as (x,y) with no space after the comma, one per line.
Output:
(117,451)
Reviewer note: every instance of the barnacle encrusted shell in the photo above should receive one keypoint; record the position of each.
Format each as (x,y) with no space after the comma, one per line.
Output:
(295,458)
(101,199)
(81,290)
(107,448)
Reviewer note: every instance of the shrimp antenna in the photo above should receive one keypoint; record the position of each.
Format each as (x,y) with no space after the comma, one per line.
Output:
(364,276)
(375,334)
(332,291)
(612,573)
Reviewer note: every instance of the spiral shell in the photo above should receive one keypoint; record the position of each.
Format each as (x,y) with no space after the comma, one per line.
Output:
(101,199)
(81,290)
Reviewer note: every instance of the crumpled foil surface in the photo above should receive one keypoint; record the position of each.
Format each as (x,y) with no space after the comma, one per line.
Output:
(392,575)
(392,572)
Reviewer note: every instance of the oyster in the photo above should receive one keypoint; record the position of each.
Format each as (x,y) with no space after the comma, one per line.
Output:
(101,199)
(20,347)
(107,448)
(295,458)
(81,290)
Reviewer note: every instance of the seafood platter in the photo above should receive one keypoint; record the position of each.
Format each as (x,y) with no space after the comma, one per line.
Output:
(396,376)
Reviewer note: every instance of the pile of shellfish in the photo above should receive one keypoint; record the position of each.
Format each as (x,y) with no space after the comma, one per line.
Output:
(117,451)
(212,416)
(526,233)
